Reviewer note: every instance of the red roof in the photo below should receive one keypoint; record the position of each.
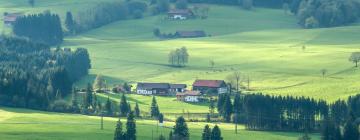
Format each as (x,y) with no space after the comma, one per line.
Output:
(208,83)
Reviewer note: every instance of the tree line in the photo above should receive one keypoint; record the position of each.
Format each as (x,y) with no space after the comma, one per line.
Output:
(34,76)
(43,28)
(102,14)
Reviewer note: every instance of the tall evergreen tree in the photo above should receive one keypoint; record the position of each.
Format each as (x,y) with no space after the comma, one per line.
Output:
(227,108)
(351,130)
(131,127)
(154,109)
(70,22)
(88,96)
(206,135)
(108,107)
(124,107)
(181,130)
(137,110)
(119,134)
(216,133)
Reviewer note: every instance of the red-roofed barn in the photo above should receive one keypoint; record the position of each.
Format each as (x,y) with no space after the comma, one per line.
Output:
(210,86)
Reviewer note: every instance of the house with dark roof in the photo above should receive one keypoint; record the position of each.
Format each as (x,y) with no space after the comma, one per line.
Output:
(180,14)
(162,89)
(189,96)
(190,34)
(10,18)
(210,86)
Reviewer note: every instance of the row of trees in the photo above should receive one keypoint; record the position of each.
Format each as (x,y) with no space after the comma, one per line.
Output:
(33,76)
(342,122)
(102,14)
(43,28)
(178,57)
(325,13)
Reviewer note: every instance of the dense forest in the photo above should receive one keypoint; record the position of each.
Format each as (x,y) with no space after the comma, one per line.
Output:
(287,113)
(310,13)
(33,75)
(43,28)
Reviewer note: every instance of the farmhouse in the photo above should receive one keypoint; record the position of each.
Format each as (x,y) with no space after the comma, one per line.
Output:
(189,96)
(163,89)
(177,88)
(190,34)
(10,18)
(210,86)
(180,14)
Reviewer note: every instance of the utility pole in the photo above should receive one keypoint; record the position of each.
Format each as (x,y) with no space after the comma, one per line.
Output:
(102,120)
(236,122)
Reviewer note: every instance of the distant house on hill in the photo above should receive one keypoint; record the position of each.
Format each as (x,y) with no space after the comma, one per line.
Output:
(210,86)
(190,34)
(162,89)
(189,96)
(10,18)
(180,14)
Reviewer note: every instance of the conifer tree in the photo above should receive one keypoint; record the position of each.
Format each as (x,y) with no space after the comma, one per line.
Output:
(216,133)
(154,109)
(181,130)
(351,130)
(131,127)
(70,22)
(124,107)
(119,134)
(108,107)
(206,135)
(137,110)
(227,108)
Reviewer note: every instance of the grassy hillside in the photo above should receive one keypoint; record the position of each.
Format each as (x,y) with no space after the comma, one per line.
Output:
(21,124)
(264,44)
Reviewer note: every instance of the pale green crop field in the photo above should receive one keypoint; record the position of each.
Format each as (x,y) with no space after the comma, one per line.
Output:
(22,124)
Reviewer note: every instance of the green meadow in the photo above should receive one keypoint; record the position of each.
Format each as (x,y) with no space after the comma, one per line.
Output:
(22,124)
(264,44)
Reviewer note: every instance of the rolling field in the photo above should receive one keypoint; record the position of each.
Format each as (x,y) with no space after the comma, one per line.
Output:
(264,44)
(21,124)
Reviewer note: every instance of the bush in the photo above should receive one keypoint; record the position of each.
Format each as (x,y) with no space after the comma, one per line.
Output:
(60,106)
(311,22)
(138,14)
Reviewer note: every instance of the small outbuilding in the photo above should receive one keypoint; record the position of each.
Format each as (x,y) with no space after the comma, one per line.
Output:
(189,96)
(190,34)
(180,14)
(10,18)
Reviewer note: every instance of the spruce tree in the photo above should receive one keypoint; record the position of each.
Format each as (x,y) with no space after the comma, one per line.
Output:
(119,134)
(131,127)
(181,130)
(69,22)
(108,107)
(227,108)
(124,107)
(137,110)
(154,109)
(216,133)
(351,131)
(206,135)
(161,118)
(89,96)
